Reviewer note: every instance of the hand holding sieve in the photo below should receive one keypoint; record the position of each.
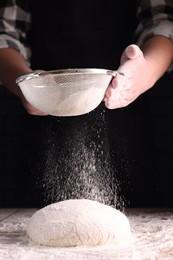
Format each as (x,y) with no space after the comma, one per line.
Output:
(68,92)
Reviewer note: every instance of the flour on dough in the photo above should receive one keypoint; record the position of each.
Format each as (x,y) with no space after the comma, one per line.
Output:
(78,222)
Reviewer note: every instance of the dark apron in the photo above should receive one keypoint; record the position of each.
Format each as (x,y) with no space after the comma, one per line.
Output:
(81,34)
(102,155)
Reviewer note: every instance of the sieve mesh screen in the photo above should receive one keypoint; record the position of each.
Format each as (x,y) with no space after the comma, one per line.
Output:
(68,92)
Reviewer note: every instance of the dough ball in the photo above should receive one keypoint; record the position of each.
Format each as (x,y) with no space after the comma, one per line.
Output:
(78,222)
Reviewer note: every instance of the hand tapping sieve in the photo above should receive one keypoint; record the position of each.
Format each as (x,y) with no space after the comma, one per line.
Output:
(68,92)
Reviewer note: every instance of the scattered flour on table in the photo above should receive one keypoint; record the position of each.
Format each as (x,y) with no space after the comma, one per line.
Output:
(78,222)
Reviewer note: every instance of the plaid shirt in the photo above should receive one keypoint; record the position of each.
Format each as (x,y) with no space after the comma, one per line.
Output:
(155,17)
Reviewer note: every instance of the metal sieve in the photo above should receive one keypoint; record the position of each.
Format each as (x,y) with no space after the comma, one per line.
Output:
(68,92)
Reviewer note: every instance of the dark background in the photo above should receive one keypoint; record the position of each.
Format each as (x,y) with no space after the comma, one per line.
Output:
(142,143)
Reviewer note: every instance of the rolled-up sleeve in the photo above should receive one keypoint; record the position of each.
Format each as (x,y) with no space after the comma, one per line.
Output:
(155,17)
(15,20)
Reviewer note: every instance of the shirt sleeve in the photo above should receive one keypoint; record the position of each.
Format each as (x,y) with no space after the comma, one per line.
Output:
(15,20)
(155,17)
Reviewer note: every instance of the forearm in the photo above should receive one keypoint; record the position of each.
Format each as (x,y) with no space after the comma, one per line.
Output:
(158,52)
(12,65)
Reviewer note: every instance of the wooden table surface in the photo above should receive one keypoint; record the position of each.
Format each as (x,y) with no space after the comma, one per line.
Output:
(152,233)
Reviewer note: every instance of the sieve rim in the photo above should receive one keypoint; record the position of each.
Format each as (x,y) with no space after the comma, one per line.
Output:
(65,71)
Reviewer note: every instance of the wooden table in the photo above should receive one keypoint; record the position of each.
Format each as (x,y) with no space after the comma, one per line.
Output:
(152,232)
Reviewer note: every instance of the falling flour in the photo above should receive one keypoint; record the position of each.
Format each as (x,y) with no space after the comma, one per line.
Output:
(78,223)
(75,161)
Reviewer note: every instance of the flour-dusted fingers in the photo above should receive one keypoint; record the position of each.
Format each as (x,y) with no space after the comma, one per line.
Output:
(116,91)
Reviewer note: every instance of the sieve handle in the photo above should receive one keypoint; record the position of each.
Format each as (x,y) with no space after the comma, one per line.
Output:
(113,73)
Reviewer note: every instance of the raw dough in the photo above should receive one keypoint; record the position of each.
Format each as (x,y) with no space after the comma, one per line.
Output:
(78,222)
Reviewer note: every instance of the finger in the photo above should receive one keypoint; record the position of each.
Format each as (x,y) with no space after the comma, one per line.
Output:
(133,52)
(118,84)
(119,81)
(118,102)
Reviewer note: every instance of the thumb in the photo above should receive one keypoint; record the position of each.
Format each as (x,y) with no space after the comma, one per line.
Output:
(131,52)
